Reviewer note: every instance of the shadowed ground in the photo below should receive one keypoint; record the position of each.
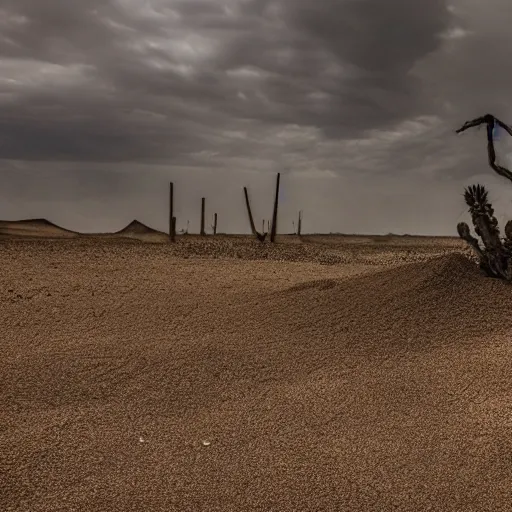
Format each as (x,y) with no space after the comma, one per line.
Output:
(133,379)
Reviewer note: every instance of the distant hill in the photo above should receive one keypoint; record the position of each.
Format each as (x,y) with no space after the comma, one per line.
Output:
(34,228)
(137,228)
(43,228)
(142,232)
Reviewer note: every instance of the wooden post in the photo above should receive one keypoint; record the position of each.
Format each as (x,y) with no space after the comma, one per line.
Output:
(203,200)
(299,224)
(173,226)
(214,223)
(260,237)
(251,220)
(274,215)
(172,230)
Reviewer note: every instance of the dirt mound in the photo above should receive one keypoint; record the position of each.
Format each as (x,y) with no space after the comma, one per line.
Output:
(138,231)
(137,228)
(38,228)
(432,302)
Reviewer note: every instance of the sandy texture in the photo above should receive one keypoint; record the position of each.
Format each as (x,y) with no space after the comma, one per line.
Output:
(136,380)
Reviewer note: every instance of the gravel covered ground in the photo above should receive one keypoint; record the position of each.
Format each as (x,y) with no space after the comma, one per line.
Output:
(331,374)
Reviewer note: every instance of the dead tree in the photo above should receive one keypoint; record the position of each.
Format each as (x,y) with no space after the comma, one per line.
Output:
(259,236)
(274,215)
(491,122)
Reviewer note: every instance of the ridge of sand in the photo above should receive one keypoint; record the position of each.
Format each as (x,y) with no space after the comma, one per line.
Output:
(447,296)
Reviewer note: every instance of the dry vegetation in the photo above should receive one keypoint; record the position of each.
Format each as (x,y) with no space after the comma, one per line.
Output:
(342,373)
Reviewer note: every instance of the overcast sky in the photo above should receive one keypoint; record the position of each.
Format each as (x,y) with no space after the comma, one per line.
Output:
(355,102)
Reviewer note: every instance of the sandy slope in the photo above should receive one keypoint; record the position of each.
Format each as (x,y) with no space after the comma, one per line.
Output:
(135,380)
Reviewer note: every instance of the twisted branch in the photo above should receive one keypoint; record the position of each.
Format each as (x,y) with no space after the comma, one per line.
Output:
(490,121)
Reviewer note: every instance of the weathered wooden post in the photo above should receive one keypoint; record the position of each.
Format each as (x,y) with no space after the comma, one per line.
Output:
(203,200)
(260,237)
(251,220)
(214,223)
(299,223)
(274,215)
(172,225)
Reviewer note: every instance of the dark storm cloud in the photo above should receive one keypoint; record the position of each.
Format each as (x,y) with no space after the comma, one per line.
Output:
(339,66)
(381,41)
(53,31)
(355,56)
(381,37)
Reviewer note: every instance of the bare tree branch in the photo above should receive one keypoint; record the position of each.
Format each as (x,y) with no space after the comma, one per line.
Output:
(490,121)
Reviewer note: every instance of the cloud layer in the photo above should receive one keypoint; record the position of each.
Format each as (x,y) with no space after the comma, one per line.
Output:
(109,100)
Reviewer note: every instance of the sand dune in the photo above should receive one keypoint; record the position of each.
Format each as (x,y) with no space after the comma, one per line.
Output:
(136,380)
(142,232)
(136,227)
(39,228)
(447,293)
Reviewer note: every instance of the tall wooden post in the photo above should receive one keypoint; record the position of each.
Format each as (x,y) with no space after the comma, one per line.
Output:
(251,220)
(274,216)
(203,200)
(214,223)
(260,237)
(172,228)
(299,224)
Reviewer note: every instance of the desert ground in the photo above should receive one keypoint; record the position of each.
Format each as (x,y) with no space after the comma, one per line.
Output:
(326,373)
